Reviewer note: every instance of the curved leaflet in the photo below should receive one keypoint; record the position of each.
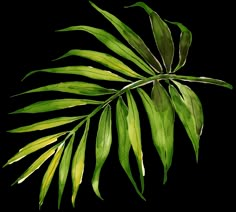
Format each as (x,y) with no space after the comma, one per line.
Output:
(74,87)
(161,117)
(188,108)
(184,44)
(64,168)
(36,164)
(134,133)
(106,60)
(124,144)
(77,168)
(47,178)
(132,38)
(162,36)
(103,145)
(55,104)
(113,44)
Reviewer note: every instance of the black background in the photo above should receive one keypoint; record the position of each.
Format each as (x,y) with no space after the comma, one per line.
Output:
(29,41)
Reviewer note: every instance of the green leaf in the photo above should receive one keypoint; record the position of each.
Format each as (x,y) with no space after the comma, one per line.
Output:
(114,45)
(106,60)
(162,35)
(42,125)
(47,178)
(163,127)
(135,135)
(74,87)
(36,164)
(132,38)
(184,44)
(188,108)
(87,71)
(124,144)
(55,104)
(34,146)
(77,169)
(161,117)
(64,168)
(194,105)
(103,144)
(206,80)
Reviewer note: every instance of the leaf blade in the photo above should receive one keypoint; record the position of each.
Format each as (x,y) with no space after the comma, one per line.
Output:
(207,80)
(134,133)
(132,38)
(162,35)
(165,119)
(47,178)
(186,117)
(55,104)
(74,87)
(161,118)
(184,44)
(103,145)
(194,105)
(64,168)
(113,44)
(47,124)
(77,168)
(124,144)
(86,71)
(36,164)
(34,146)
(106,60)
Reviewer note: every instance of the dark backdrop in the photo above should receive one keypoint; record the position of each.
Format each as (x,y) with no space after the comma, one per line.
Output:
(29,42)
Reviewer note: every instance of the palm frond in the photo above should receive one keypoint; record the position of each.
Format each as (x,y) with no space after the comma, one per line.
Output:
(161,105)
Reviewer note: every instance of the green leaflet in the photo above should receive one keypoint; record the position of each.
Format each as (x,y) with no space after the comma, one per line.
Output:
(36,164)
(50,123)
(163,134)
(74,87)
(34,146)
(106,60)
(134,133)
(162,35)
(103,145)
(206,80)
(184,44)
(124,144)
(86,71)
(188,108)
(132,38)
(47,178)
(161,117)
(77,169)
(55,104)
(113,44)
(64,168)
(194,105)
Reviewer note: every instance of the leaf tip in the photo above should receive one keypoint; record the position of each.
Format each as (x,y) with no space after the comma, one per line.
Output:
(15,182)
(60,30)
(93,5)
(165,177)
(142,5)
(96,189)
(73,200)
(6,164)
(197,158)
